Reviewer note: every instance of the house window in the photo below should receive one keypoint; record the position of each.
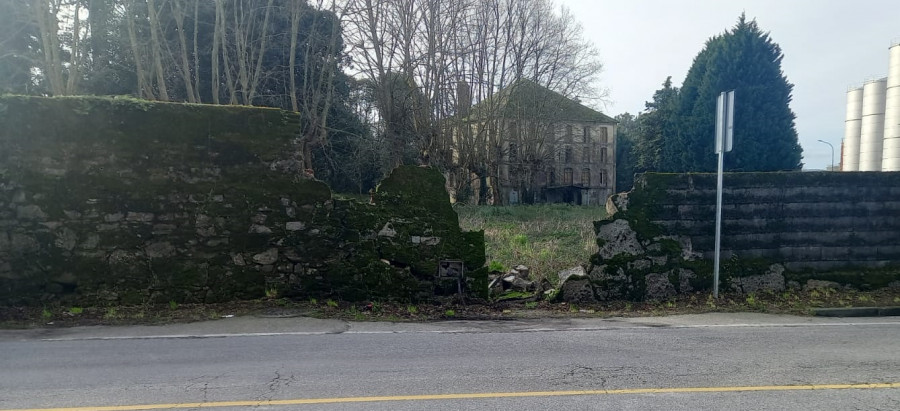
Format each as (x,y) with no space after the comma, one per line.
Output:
(567,176)
(552,176)
(568,154)
(601,175)
(569,133)
(603,155)
(586,177)
(513,152)
(604,135)
(586,155)
(513,130)
(586,137)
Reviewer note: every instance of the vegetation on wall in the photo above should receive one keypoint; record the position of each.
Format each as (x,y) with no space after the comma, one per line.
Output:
(126,201)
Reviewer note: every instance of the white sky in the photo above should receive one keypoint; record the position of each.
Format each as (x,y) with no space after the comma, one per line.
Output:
(828,45)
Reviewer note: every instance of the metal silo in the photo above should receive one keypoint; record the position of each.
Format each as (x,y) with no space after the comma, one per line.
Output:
(891,152)
(871,135)
(850,155)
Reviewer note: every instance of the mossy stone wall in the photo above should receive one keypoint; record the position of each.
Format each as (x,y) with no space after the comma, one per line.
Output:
(120,201)
(842,227)
(816,220)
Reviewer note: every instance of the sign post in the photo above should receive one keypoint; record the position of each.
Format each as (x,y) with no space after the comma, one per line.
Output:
(724,142)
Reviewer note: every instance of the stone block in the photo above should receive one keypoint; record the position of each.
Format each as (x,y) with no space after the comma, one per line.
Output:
(771,280)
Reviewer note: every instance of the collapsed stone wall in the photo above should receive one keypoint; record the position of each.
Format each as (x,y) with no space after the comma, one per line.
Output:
(119,201)
(778,229)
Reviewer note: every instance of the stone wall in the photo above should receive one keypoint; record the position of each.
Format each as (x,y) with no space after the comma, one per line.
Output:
(776,228)
(119,201)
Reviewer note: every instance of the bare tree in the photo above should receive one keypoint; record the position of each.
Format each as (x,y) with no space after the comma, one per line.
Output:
(469,48)
(193,96)
(62,74)
(156,50)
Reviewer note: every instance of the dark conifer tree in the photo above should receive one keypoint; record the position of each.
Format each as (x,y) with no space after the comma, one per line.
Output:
(744,59)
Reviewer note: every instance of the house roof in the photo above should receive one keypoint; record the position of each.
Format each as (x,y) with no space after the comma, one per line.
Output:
(529,100)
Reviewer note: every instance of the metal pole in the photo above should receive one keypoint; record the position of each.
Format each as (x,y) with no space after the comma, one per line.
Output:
(832,153)
(718,224)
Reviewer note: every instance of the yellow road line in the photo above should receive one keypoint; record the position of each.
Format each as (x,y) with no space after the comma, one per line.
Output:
(307,401)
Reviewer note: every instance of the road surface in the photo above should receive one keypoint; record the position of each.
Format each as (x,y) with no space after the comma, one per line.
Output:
(711,361)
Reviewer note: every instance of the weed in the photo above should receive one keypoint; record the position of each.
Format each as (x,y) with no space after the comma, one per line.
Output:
(496,266)
(412,309)
(313,301)
(751,299)
(173,305)
(710,301)
(450,313)
(628,306)
(814,294)
(76,310)
(331,303)
(111,313)
(531,305)
(573,308)
(897,299)
(46,314)
(670,304)
(271,293)
(520,240)
(512,295)
(865,299)
(546,238)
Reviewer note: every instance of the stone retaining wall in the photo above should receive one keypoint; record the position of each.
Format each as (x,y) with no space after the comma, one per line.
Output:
(776,228)
(109,201)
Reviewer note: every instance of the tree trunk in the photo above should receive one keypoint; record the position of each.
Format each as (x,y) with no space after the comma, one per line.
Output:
(182,42)
(292,62)
(156,51)
(214,57)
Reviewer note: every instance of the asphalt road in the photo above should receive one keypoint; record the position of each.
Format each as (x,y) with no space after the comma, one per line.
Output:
(717,361)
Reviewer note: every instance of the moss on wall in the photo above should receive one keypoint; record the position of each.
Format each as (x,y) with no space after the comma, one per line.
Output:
(843,227)
(126,201)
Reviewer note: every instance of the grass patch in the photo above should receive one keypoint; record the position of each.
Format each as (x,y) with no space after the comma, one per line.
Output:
(546,238)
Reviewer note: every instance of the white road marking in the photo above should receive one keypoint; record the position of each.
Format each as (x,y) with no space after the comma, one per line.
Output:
(473,330)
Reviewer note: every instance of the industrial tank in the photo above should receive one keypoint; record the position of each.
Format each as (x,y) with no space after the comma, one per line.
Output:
(891,146)
(850,159)
(871,136)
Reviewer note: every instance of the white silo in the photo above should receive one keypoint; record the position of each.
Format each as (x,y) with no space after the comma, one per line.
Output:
(871,135)
(891,151)
(852,128)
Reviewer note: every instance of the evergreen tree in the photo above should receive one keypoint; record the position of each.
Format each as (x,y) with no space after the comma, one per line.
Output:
(626,133)
(744,59)
(657,126)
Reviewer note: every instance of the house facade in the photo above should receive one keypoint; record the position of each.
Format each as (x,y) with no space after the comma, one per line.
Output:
(574,163)
(545,148)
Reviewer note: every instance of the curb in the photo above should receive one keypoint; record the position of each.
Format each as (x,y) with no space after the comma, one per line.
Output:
(857,312)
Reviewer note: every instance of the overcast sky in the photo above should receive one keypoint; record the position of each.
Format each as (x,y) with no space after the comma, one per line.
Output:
(828,45)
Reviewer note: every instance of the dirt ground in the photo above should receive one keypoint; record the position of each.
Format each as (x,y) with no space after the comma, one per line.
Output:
(794,302)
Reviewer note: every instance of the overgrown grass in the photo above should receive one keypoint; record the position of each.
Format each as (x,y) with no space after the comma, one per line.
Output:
(546,238)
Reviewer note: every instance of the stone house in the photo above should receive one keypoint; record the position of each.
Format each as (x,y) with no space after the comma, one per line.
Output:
(546,148)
